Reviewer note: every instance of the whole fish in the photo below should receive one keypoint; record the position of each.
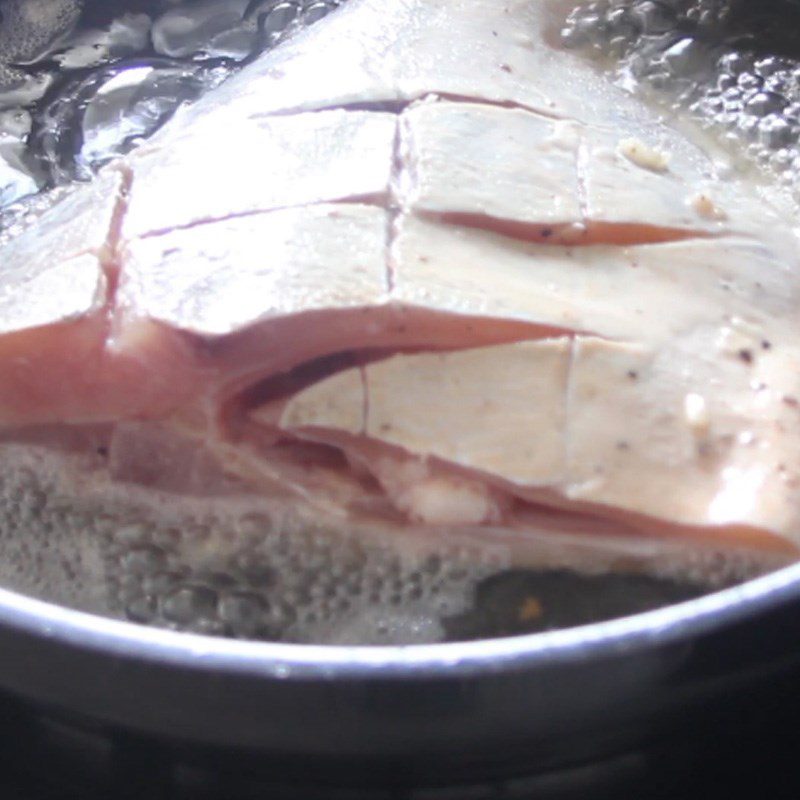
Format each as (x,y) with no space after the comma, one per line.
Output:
(419,271)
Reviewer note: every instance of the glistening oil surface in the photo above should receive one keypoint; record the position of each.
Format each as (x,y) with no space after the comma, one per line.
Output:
(81,82)
(730,66)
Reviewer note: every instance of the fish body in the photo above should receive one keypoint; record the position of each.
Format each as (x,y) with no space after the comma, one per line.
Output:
(419,268)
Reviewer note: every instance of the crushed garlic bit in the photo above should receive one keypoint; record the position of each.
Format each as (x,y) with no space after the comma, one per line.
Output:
(644,156)
(433,499)
(706,207)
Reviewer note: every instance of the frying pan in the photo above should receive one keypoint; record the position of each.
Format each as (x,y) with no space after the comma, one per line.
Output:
(422,714)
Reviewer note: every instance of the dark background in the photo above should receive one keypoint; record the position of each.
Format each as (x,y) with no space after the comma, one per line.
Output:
(740,753)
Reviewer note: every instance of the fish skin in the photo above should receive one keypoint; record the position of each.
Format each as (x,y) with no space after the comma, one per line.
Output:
(405,51)
(618,293)
(607,424)
(447,149)
(490,412)
(569,182)
(232,167)
(213,280)
(368,60)
(57,289)
(54,286)
(207,293)
(71,248)
(72,289)
(409,401)
(634,445)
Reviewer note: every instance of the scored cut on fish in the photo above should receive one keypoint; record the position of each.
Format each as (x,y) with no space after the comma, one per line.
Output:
(259,165)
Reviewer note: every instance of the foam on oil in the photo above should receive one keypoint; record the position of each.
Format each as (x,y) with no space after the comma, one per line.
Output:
(239,567)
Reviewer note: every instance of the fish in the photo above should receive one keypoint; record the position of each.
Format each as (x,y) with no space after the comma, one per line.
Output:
(421,272)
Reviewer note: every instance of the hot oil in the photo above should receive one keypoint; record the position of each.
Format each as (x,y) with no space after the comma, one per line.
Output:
(728,66)
(81,83)
(238,567)
(229,565)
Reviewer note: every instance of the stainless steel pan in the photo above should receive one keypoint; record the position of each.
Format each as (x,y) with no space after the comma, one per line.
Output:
(434,712)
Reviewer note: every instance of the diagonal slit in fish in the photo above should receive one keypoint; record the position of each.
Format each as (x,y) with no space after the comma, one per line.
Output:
(422,292)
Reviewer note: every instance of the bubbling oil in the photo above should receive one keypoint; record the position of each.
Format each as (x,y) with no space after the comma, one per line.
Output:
(249,568)
(236,566)
(731,67)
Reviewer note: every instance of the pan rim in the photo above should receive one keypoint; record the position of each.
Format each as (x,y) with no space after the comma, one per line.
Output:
(272,660)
